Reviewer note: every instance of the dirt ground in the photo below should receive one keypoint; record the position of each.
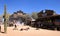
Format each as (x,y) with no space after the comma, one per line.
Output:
(30,32)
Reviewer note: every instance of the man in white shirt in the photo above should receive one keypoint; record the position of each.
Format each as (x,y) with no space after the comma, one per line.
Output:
(0,24)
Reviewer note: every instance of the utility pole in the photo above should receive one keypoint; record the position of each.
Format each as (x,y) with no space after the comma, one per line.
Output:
(5,20)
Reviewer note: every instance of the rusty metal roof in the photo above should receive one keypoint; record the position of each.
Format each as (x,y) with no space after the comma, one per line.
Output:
(50,16)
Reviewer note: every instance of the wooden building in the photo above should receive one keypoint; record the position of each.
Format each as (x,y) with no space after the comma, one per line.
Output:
(48,21)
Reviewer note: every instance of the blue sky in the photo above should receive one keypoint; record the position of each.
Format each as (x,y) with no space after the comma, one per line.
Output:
(29,6)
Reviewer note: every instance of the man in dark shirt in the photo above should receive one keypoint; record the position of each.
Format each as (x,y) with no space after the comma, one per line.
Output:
(0,25)
(0,28)
(15,26)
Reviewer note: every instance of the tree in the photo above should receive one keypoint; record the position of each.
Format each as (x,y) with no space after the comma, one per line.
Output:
(34,15)
(40,13)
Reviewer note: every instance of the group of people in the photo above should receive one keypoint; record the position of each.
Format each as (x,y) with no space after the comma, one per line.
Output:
(15,23)
(15,26)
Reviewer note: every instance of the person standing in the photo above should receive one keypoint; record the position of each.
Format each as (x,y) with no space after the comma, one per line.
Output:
(15,26)
(0,24)
(0,27)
